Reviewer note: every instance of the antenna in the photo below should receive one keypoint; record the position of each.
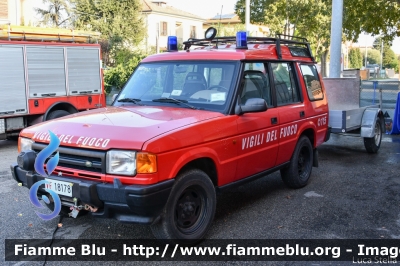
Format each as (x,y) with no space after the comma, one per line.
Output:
(219,24)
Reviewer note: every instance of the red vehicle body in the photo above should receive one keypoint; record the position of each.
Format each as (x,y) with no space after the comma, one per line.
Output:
(46,75)
(238,121)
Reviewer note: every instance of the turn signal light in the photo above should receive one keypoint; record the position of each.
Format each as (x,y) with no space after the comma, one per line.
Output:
(146,163)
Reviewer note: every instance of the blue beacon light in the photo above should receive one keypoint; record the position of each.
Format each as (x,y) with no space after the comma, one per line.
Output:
(172,45)
(241,40)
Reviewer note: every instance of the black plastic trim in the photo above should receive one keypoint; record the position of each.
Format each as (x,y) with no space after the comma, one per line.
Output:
(251,178)
(78,152)
(127,203)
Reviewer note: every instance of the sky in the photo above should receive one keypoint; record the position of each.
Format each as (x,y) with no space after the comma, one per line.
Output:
(368,41)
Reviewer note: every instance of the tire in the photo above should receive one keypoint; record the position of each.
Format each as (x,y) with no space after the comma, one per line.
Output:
(57,114)
(297,174)
(373,144)
(189,211)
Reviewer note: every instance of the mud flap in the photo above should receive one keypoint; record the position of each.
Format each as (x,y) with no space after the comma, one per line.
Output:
(315,158)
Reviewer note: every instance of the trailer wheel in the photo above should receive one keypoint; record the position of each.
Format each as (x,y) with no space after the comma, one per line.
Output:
(373,144)
(189,211)
(299,171)
(57,114)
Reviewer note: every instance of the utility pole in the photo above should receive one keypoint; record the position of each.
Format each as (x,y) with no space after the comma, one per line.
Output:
(247,18)
(366,51)
(381,54)
(336,38)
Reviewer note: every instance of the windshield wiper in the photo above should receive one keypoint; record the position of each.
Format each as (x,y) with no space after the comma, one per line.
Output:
(130,100)
(172,100)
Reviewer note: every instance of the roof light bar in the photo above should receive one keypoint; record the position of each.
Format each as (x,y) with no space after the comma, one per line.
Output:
(172,45)
(241,40)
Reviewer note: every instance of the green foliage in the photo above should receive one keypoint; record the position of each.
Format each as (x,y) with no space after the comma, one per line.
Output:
(228,29)
(378,17)
(312,19)
(56,14)
(377,43)
(117,76)
(355,58)
(389,58)
(304,18)
(373,56)
(119,22)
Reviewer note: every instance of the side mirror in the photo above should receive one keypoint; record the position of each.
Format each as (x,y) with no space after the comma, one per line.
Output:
(252,105)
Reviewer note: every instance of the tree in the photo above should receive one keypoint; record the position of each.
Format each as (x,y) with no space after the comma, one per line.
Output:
(373,56)
(57,13)
(355,58)
(378,17)
(305,18)
(312,19)
(119,22)
(228,30)
(389,58)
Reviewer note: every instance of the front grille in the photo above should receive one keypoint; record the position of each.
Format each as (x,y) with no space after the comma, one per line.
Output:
(79,159)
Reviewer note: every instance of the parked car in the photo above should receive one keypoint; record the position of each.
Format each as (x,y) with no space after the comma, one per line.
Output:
(373,68)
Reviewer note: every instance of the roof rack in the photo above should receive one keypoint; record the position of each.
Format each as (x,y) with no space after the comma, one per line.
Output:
(24,33)
(292,44)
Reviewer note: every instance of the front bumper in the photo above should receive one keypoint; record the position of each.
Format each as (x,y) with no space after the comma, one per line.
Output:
(127,203)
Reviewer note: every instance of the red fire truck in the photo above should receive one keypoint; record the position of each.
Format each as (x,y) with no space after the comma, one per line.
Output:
(46,74)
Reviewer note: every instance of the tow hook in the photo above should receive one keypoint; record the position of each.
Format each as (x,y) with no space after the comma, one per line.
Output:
(75,209)
(90,208)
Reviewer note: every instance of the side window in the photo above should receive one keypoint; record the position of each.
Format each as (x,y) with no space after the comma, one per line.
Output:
(256,83)
(311,79)
(285,85)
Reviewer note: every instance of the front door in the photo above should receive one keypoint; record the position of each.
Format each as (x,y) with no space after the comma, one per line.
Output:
(258,132)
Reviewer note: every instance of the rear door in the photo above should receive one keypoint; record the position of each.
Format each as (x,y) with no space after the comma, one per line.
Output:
(290,107)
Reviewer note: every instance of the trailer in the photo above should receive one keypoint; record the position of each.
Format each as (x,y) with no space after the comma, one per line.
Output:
(346,117)
(46,74)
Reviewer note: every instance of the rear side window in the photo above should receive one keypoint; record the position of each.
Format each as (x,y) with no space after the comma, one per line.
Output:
(311,79)
(285,85)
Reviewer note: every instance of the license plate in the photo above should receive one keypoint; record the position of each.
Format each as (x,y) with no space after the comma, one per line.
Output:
(60,187)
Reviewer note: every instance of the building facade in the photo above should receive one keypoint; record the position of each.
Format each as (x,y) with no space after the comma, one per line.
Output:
(162,21)
(229,24)
(17,12)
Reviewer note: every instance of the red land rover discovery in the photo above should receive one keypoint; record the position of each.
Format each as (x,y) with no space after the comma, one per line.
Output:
(224,111)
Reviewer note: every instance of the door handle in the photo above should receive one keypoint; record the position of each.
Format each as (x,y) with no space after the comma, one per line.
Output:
(274,120)
(302,114)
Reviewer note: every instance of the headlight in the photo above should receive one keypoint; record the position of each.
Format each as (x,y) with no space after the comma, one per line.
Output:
(120,162)
(24,144)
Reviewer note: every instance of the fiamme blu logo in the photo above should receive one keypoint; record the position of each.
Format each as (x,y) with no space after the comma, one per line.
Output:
(39,168)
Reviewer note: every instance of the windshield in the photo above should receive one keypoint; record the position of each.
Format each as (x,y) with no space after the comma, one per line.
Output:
(205,85)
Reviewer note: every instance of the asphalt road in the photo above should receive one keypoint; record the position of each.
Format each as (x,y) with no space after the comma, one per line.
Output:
(352,195)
